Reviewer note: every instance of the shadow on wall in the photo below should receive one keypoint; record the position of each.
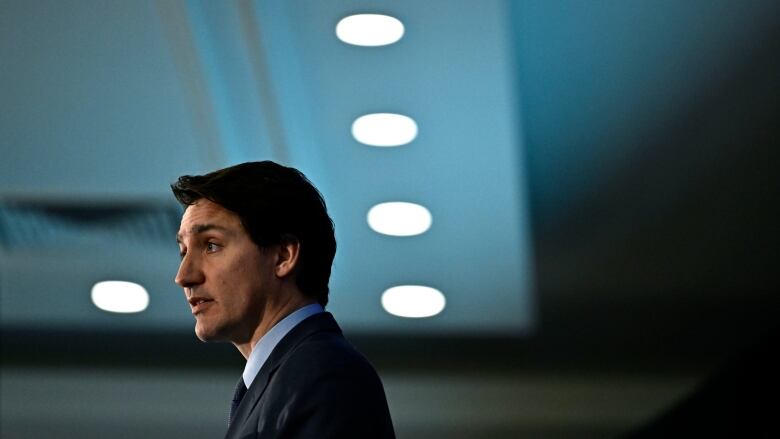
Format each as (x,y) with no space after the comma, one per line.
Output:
(735,402)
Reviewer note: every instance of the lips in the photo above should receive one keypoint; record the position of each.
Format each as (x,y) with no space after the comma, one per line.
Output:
(198,304)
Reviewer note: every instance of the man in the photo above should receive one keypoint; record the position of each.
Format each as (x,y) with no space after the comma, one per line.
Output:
(257,245)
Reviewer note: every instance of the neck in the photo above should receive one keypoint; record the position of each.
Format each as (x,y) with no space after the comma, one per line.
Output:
(273,314)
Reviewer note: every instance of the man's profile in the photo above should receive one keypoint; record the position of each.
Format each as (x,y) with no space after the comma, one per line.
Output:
(256,246)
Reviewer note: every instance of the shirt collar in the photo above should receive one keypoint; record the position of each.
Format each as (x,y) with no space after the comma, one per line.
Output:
(262,350)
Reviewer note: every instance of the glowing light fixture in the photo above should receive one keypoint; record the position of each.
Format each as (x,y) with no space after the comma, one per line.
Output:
(399,218)
(414,301)
(119,296)
(384,129)
(369,30)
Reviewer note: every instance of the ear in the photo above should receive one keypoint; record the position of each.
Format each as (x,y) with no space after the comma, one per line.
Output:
(287,257)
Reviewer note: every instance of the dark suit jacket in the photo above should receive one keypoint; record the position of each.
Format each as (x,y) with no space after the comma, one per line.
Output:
(314,385)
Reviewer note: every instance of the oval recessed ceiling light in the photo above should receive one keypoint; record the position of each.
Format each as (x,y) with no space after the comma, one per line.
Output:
(369,30)
(384,129)
(119,296)
(399,218)
(413,301)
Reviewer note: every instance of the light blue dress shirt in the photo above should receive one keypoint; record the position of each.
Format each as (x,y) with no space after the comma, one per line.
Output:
(268,342)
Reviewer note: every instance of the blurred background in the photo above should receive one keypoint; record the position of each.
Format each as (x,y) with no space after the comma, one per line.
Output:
(596,181)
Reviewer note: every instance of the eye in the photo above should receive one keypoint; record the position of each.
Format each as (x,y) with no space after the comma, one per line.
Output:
(212,247)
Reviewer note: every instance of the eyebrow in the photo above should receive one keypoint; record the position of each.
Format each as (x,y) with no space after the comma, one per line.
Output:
(202,228)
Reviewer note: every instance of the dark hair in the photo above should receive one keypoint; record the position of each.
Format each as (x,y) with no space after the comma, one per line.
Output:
(276,204)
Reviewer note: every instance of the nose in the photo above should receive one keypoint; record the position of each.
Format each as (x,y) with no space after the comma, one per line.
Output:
(190,273)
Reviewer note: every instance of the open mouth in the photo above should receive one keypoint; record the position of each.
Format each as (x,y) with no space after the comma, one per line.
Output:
(199,305)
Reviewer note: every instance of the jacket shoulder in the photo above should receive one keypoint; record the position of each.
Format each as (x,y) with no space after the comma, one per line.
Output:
(324,387)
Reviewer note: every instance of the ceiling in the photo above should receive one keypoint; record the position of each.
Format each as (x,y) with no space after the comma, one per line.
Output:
(143,93)
(600,174)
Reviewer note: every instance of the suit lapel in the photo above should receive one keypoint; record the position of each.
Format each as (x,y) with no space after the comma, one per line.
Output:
(316,323)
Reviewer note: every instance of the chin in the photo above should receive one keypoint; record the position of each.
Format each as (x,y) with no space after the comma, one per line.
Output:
(206,334)
(208,331)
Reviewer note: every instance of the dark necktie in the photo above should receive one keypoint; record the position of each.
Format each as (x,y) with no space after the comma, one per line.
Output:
(238,395)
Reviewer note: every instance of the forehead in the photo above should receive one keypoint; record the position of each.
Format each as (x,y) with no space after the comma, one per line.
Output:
(207,214)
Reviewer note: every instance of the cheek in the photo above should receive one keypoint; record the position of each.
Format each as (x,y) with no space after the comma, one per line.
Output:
(229,273)
(240,283)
